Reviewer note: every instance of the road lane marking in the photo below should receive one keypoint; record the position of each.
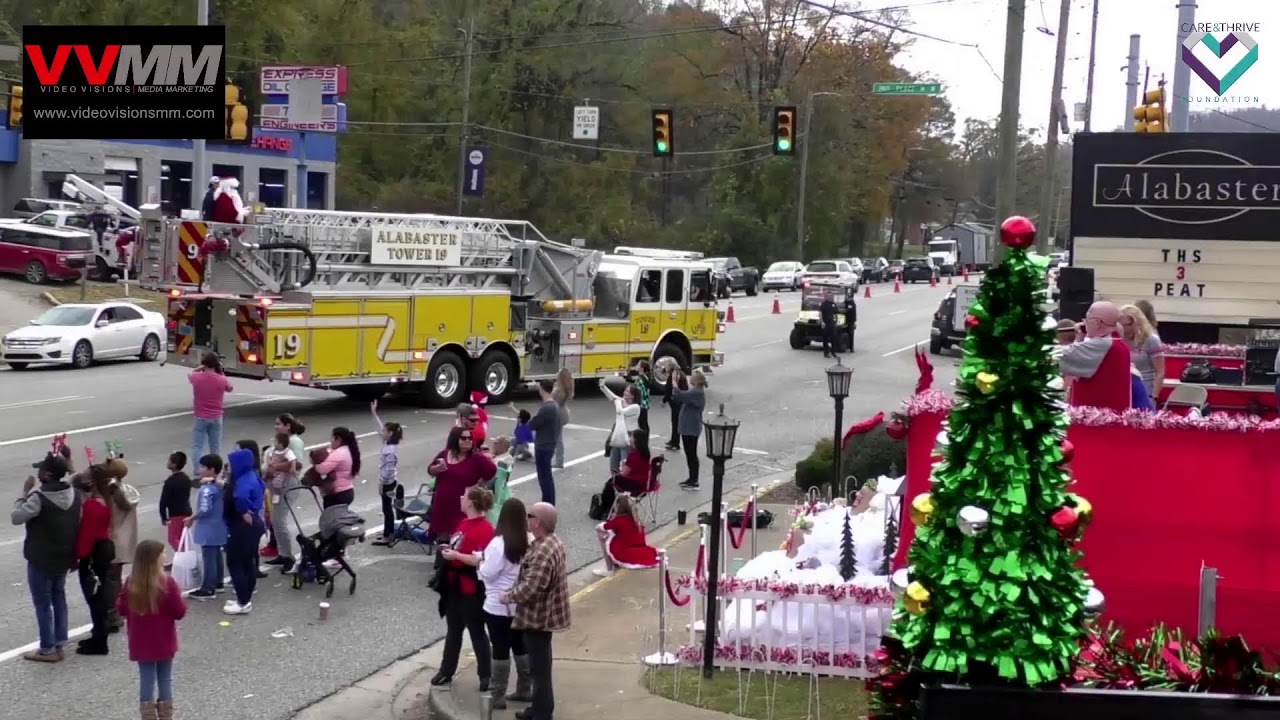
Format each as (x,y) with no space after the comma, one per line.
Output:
(897,312)
(139,421)
(912,346)
(766,344)
(32,403)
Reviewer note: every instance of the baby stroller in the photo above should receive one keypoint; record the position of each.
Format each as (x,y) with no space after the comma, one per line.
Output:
(339,527)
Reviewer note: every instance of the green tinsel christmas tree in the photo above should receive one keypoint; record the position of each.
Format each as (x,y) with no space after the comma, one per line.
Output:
(993,593)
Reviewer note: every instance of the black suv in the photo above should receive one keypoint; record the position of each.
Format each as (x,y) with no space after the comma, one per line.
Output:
(918,269)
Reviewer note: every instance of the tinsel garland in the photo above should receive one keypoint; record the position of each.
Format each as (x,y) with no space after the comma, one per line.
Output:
(801,658)
(1204,350)
(1158,660)
(936,401)
(871,597)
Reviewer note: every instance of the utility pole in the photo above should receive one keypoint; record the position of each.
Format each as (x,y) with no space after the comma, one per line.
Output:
(1007,173)
(1051,132)
(1180,105)
(465,135)
(804,175)
(1131,82)
(1093,59)
(199,171)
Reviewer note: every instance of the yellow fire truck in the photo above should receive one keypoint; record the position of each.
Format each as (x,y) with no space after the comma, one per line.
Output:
(428,306)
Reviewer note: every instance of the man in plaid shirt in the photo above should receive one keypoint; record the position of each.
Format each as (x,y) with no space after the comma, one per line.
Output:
(541,597)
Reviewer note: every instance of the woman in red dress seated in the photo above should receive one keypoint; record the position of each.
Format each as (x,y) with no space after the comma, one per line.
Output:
(623,541)
(632,477)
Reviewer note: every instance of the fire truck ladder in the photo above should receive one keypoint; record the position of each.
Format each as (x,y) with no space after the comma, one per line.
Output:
(327,250)
(83,191)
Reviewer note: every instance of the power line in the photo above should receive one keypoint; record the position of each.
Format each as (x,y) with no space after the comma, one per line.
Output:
(603,148)
(632,171)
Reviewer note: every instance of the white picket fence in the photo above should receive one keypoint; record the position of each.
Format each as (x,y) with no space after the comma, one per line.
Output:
(802,629)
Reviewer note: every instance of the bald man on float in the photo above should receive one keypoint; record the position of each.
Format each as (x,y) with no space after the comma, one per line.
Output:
(1098,361)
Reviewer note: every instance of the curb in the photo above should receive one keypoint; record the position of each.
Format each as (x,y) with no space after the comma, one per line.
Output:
(49,298)
(439,708)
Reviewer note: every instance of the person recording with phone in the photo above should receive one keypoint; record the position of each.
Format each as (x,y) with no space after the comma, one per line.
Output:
(209,388)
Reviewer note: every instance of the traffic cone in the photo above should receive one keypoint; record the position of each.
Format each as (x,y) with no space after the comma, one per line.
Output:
(933,281)
(777,306)
(948,279)
(966,274)
(728,316)
(897,286)
(866,291)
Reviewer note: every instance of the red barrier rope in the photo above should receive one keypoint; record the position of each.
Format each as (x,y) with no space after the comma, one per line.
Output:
(736,539)
(671,593)
(700,565)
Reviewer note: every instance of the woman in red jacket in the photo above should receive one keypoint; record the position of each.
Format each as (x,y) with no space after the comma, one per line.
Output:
(94,554)
(463,594)
(151,604)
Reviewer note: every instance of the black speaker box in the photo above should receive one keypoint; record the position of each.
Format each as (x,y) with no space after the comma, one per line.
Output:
(1072,309)
(950,702)
(1075,281)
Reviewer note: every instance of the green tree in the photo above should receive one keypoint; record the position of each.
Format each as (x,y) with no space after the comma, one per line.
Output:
(1000,601)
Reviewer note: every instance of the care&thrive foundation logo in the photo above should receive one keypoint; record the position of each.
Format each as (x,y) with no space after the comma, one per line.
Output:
(1232,35)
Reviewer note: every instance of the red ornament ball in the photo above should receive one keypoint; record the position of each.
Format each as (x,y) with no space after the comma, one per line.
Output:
(1066,521)
(972,321)
(1018,232)
(1068,451)
(896,428)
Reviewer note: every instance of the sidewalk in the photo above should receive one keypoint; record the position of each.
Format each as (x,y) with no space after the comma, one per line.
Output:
(598,663)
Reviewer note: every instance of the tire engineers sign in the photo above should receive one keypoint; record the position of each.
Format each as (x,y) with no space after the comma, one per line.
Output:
(1187,221)
(121,82)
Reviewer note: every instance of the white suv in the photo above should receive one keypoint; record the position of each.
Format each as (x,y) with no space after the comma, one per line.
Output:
(782,276)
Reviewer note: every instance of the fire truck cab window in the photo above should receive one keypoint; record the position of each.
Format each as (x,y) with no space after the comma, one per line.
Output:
(649,289)
(675,287)
(700,286)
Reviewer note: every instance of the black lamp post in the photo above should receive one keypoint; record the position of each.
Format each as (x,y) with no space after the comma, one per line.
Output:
(839,378)
(721,432)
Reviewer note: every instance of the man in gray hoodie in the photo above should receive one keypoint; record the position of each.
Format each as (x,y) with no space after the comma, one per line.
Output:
(51,514)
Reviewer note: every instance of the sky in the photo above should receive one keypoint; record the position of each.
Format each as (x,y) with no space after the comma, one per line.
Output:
(973,84)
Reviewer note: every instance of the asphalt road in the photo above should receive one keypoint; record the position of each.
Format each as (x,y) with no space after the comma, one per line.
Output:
(281,657)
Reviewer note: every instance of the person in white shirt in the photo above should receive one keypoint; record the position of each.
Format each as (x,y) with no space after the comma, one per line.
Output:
(626,420)
(499,569)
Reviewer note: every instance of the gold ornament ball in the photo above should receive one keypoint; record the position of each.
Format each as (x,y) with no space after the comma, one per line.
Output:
(986,382)
(917,599)
(921,509)
(1084,508)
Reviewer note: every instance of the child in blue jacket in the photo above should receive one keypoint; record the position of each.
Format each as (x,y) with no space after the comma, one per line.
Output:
(210,527)
(245,528)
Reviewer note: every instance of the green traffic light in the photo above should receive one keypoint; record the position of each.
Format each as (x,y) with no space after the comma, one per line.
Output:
(662,146)
(784,144)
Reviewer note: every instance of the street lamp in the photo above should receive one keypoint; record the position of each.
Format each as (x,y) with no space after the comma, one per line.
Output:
(721,432)
(839,378)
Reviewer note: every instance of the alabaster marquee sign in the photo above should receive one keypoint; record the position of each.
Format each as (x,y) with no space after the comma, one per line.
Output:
(1189,221)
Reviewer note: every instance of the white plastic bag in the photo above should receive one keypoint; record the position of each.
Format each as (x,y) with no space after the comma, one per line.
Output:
(186,563)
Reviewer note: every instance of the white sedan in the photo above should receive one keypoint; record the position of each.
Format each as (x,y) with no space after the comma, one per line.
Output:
(80,334)
(782,276)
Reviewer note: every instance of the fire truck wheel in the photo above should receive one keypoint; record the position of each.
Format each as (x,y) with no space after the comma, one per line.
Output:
(494,374)
(664,358)
(446,384)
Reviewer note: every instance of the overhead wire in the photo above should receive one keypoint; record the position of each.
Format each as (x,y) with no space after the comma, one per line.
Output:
(632,171)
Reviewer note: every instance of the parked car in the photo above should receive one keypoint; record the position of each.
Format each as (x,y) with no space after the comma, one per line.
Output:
(894,271)
(859,268)
(919,269)
(875,270)
(729,276)
(80,334)
(948,328)
(782,276)
(31,207)
(106,261)
(830,271)
(41,254)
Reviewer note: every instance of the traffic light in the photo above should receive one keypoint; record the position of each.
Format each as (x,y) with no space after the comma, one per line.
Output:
(784,130)
(237,119)
(1151,115)
(15,106)
(663,134)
